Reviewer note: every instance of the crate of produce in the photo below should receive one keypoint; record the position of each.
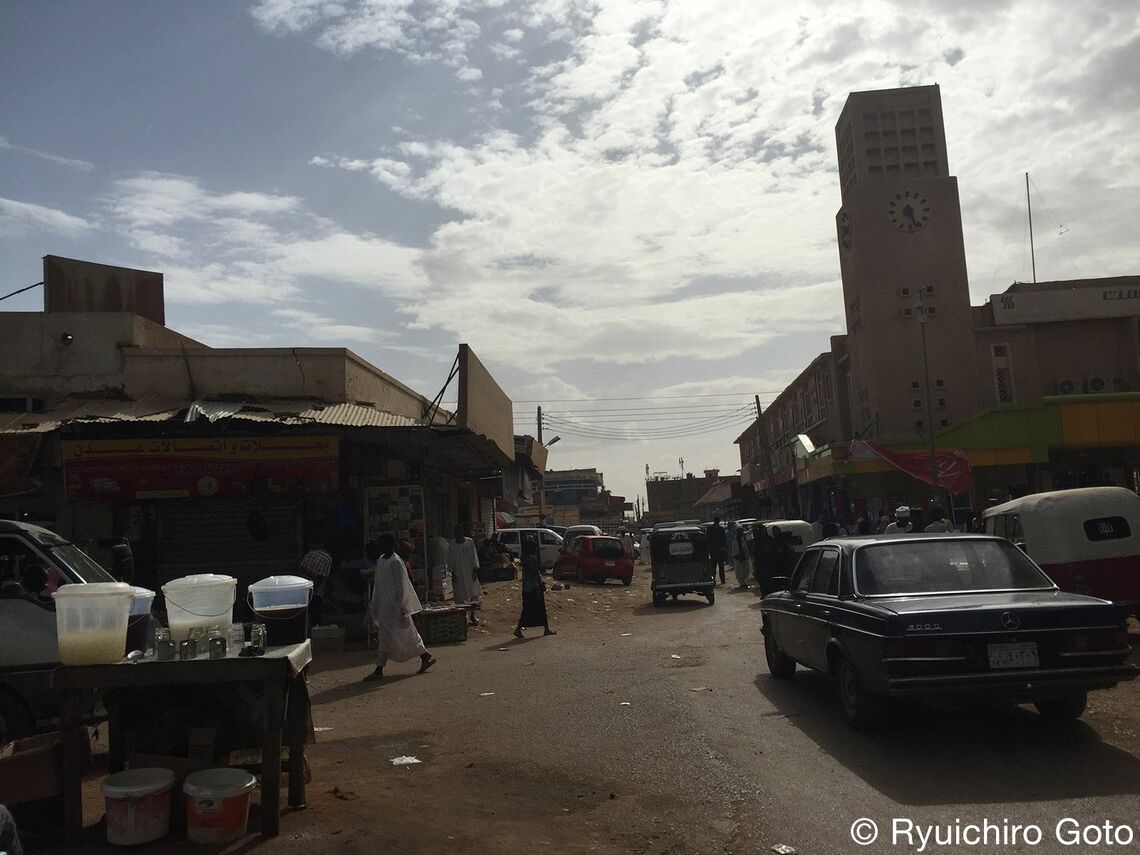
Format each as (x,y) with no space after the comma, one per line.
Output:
(442,626)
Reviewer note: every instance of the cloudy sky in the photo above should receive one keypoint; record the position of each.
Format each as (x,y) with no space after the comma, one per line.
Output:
(623,199)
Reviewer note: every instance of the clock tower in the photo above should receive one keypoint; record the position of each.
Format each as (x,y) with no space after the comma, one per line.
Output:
(903,264)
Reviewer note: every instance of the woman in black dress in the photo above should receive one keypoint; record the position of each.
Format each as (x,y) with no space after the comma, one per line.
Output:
(533,600)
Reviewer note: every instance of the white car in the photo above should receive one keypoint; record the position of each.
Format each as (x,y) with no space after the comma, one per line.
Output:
(549,543)
(580,531)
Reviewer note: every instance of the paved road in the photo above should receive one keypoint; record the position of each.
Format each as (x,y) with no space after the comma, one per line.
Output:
(598,741)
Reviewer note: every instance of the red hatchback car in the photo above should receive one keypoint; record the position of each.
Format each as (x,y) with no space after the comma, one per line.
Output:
(596,559)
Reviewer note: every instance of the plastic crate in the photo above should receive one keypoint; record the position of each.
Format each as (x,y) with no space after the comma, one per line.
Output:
(442,626)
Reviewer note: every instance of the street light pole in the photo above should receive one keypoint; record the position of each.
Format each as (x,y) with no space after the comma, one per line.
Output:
(922,319)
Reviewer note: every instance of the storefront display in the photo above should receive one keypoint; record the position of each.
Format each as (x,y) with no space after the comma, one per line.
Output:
(399,511)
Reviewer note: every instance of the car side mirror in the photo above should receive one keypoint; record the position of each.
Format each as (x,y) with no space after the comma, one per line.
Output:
(778,583)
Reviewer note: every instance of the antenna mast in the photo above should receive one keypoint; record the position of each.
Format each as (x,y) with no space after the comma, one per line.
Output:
(1029,207)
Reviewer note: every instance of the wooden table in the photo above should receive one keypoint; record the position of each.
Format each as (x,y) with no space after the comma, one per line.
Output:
(281,673)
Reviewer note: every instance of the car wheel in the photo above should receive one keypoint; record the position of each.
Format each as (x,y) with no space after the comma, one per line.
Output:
(711,594)
(780,664)
(862,708)
(15,720)
(627,582)
(1068,707)
(578,575)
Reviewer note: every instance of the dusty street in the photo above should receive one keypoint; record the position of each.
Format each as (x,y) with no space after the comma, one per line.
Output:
(638,729)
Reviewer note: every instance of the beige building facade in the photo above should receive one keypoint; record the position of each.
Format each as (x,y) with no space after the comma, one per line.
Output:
(1061,346)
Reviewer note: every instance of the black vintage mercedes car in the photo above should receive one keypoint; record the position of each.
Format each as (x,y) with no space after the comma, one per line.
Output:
(946,617)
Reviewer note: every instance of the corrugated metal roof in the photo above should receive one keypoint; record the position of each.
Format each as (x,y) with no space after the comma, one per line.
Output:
(154,409)
(149,408)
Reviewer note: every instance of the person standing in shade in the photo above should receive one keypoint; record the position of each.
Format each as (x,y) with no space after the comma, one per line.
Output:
(533,588)
(738,550)
(941,523)
(316,564)
(901,525)
(764,557)
(394,601)
(463,561)
(717,542)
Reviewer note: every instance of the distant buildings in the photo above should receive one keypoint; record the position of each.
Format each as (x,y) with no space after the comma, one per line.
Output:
(1036,389)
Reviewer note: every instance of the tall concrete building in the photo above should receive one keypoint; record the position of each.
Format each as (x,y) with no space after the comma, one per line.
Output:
(903,264)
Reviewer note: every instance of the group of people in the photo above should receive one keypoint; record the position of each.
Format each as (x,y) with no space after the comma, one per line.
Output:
(394,600)
(770,555)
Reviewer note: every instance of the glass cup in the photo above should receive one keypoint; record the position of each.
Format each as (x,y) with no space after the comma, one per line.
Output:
(257,638)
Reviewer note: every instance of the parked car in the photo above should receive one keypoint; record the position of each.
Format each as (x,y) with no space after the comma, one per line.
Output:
(575,531)
(559,530)
(948,617)
(34,562)
(595,559)
(1086,540)
(549,543)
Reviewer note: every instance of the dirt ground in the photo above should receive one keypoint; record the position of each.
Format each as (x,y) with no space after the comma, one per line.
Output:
(638,729)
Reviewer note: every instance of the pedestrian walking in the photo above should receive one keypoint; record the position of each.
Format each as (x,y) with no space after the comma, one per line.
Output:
(717,541)
(463,561)
(533,588)
(394,601)
(884,521)
(738,550)
(785,552)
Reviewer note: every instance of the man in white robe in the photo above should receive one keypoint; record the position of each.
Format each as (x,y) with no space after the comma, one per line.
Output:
(394,601)
(463,561)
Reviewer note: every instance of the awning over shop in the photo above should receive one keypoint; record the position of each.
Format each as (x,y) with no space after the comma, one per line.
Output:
(953,467)
(17,454)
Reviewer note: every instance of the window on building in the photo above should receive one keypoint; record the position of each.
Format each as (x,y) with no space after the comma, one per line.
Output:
(942,402)
(944,422)
(907,312)
(940,383)
(919,424)
(914,384)
(932,310)
(916,403)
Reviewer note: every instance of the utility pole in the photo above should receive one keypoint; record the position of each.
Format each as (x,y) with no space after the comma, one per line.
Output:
(922,319)
(541,479)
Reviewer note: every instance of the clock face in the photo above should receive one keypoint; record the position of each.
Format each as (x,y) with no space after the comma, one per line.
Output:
(844,229)
(908,211)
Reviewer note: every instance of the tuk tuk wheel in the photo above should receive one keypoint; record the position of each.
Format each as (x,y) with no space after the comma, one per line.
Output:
(711,595)
(658,599)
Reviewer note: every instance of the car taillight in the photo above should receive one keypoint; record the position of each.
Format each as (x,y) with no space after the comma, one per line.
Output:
(1094,641)
(922,648)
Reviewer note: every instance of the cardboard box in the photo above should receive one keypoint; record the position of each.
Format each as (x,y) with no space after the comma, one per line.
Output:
(32,768)
(327,640)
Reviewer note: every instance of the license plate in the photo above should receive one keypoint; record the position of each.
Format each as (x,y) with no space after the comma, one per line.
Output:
(680,549)
(610,563)
(1017,655)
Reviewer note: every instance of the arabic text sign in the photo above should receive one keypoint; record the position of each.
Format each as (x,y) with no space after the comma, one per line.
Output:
(1066,304)
(126,469)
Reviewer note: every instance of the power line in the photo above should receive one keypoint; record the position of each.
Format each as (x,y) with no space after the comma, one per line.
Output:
(21,291)
(691,419)
(615,433)
(646,397)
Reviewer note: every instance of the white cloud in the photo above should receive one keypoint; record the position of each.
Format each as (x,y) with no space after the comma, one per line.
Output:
(19,218)
(469,75)
(69,162)
(513,36)
(249,247)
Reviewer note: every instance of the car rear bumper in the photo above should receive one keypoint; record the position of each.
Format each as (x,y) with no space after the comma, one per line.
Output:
(1022,683)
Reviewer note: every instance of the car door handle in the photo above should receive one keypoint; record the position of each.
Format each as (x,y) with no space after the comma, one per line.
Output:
(826,612)
(799,606)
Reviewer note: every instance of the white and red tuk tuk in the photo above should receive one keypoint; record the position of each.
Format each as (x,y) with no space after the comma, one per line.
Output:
(1087,539)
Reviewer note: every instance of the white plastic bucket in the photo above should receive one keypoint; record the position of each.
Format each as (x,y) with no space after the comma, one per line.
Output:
(202,600)
(91,622)
(217,804)
(138,805)
(280,592)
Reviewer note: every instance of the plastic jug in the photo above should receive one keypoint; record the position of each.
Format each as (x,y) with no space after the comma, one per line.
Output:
(91,622)
(202,600)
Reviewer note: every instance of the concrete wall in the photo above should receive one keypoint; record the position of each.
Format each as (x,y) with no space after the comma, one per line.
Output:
(36,362)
